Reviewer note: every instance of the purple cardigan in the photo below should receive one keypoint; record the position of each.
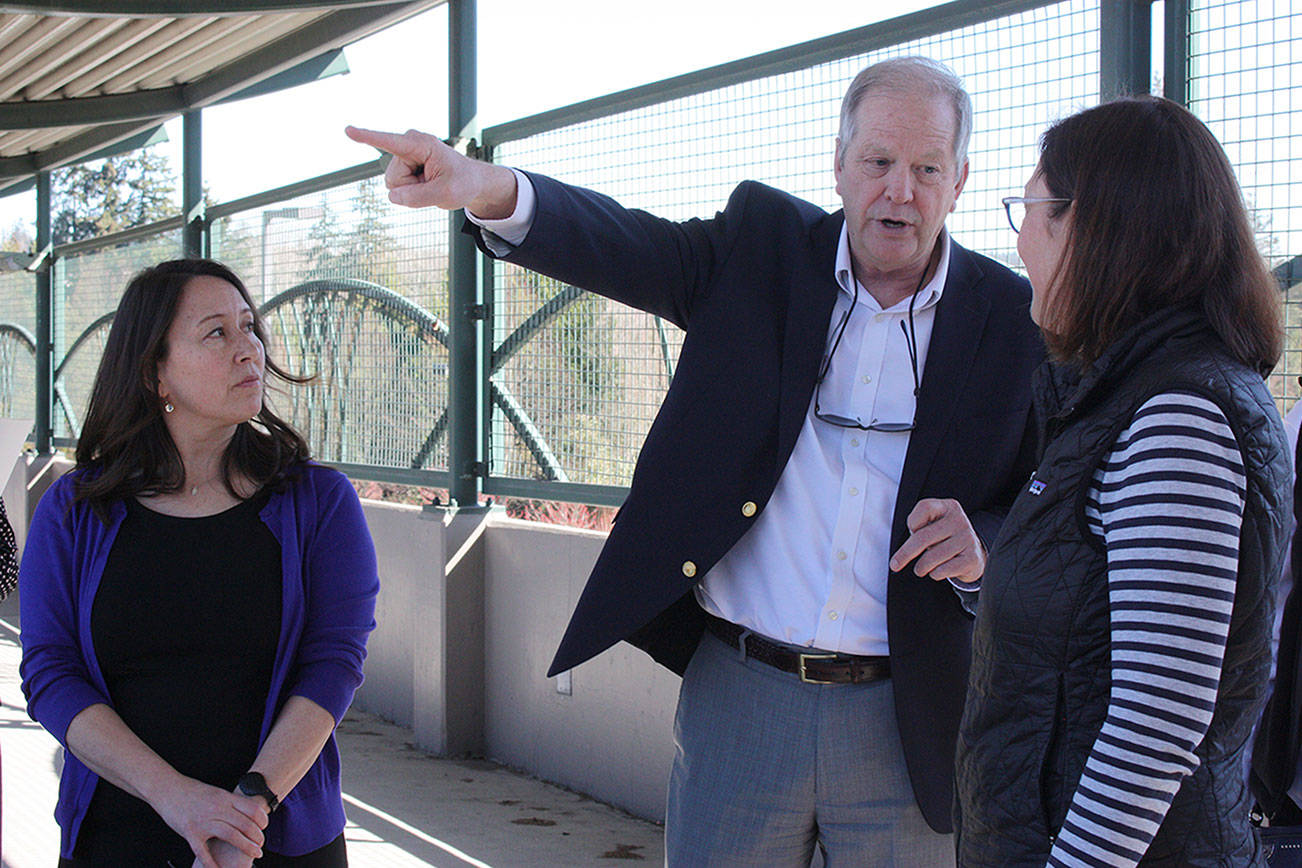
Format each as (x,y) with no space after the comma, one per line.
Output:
(330,584)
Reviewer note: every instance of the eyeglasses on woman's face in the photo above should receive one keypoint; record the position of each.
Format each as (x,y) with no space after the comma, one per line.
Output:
(1015,208)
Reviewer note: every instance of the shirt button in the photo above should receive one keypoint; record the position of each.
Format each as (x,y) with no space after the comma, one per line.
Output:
(748,508)
(853,491)
(689,569)
(832,616)
(854,441)
(840,556)
(867,379)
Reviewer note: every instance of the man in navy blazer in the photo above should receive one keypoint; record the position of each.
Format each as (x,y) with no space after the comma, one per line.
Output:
(805,531)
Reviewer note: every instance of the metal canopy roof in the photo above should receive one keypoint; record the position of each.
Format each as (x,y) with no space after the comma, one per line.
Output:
(86,78)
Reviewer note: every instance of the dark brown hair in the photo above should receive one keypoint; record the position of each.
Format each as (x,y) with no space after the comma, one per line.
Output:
(124,441)
(1157,223)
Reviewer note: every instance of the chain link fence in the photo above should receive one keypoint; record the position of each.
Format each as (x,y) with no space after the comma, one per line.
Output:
(17,346)
(356,291)
(591,376)
(86,288)
(1245,83)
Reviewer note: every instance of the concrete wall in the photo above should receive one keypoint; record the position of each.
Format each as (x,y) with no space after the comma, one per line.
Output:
(409,548)
(472,606)
(461,651)
(611,736)
(29,478)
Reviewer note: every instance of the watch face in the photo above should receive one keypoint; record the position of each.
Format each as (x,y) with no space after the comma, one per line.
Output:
(254,784)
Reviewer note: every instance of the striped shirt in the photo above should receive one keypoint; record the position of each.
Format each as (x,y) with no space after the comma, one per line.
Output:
(1168,503)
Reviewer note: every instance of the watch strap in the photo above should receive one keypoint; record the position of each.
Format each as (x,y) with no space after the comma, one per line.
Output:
(254,784)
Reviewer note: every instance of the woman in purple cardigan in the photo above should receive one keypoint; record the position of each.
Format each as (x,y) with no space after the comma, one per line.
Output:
(195,600)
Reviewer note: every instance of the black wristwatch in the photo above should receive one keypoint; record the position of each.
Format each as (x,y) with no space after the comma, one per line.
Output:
(254,784)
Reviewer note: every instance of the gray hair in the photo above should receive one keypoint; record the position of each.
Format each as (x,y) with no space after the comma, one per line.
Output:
(910,75)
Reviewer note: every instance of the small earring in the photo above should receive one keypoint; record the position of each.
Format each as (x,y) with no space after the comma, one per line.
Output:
(167,406)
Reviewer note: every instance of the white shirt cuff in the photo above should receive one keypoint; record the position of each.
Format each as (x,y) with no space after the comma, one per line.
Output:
(510,231)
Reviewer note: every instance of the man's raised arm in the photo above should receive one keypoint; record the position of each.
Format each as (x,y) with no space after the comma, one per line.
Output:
(425,171)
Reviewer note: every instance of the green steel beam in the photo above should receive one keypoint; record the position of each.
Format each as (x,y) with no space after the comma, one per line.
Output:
(1289,273)
(147,230)
(44,321)
(26,164)
(84,111)
(1125,48)
(573,492)
(491,446)
(73,150)
(176,8)
(1175,63)
(194,236)
(318,68)
(154,136)
(328,181)
(396,475)
(883,34)
(467,376)
(249,203)
(331,31)
(11,261)
(152,104)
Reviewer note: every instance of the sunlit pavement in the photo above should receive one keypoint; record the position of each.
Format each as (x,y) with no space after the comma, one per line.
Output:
(405,808)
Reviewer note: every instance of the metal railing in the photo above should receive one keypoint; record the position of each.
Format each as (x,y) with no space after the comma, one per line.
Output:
(557,392)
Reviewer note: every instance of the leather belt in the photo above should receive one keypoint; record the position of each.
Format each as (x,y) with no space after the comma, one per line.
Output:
(813,668)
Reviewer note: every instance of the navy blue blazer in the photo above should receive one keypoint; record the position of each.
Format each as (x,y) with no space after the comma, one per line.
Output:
(754,289)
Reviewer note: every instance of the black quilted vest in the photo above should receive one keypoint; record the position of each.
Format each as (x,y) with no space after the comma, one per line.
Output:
(1279,738)
(1038,690)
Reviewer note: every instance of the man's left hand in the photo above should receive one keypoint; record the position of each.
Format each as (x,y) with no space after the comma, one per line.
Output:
(943,543)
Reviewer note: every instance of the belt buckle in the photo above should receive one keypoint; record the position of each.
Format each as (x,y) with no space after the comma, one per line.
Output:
(803,658)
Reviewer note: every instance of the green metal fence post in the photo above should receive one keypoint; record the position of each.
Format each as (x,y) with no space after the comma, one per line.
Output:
(1175,73)
(194,237)
(466,373)
(1125,47)
(44,320)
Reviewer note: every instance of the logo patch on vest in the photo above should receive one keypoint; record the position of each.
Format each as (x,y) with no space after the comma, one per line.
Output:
(1037,485)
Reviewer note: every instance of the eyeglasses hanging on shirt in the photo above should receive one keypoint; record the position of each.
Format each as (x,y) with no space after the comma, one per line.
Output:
(911,340)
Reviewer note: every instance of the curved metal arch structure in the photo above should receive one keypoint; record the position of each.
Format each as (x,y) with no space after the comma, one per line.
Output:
(314,296)
(323,324)
(14,340)
(531,436)
(349,411)
(312,305)
(64,396)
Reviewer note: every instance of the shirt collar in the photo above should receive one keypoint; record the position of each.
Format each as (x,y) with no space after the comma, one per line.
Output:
(927,296)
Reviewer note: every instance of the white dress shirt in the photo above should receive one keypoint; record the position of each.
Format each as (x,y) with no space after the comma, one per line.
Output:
(812,569)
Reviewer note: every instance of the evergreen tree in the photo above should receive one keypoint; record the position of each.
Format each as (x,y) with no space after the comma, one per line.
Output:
(326,256)
(362,249)
(17,238)
(93,199)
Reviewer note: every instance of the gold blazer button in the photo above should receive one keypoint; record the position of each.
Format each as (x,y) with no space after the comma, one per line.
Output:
(689,569)
(749,508)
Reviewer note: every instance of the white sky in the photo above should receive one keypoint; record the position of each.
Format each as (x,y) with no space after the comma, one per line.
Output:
(533,56)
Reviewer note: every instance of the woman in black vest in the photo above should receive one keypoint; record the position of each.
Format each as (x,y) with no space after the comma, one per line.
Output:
(1122,647)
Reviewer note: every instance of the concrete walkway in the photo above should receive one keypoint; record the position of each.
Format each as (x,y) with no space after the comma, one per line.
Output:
(405,808)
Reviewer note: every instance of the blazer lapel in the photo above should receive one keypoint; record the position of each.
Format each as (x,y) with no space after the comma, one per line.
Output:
(956,334)
(811,298)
